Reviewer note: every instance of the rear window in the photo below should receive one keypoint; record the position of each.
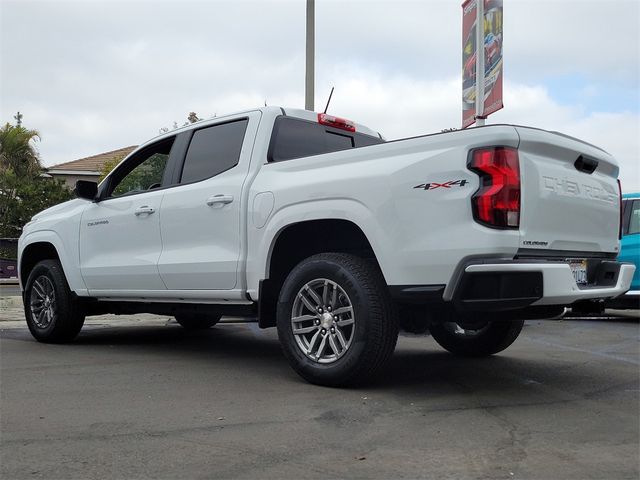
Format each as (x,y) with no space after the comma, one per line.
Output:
(296,138)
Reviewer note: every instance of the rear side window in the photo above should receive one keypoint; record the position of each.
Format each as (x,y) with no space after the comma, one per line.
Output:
(295,138)
(213,150)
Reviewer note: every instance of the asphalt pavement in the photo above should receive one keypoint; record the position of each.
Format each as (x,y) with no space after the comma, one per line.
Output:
(142,398)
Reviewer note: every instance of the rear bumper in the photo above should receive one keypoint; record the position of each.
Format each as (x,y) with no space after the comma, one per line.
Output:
(505,286)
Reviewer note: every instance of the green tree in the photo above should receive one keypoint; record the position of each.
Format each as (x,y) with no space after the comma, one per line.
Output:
(23,190)
(22,196)
(142,177)
(191,118)
(109,165)
(17,151)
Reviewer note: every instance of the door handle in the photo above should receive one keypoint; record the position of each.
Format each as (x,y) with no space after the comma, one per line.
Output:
(219,199)
(145,209)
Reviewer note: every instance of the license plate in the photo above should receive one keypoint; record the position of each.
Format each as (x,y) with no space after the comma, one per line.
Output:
(579,270)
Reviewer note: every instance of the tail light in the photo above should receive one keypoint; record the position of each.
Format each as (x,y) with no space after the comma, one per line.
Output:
(621,210)
(336,122)
(497,202)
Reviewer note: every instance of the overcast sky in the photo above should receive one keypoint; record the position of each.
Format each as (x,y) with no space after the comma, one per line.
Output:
(96,76)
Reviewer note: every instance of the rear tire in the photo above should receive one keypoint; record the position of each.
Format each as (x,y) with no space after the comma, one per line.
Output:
(492,338)
(347,325)
(52,312)
(197,322)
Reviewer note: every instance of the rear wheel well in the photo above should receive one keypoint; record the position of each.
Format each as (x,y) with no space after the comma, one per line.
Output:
(299,241)
(33,254)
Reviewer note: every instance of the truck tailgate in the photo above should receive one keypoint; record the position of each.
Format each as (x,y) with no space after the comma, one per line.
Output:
(566,205)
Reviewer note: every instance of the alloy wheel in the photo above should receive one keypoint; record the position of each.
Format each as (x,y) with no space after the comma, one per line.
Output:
(42,302)
(323,321)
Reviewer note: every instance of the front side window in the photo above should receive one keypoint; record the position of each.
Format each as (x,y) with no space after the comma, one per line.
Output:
(143,172)
(213,150)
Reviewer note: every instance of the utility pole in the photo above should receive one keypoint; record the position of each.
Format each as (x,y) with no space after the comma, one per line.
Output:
(480,63)
(310,58)
(18,117)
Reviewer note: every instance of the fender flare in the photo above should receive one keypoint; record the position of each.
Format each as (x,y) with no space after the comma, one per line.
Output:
(346,209)
(70,265)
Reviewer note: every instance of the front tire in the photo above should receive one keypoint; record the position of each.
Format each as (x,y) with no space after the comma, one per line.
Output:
(481,341)
(53,314)
(336,321)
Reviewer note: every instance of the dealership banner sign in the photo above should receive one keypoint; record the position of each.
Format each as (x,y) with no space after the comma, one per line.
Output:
(480,100)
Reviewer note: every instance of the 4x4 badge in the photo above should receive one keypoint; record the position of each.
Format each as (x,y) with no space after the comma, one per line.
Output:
(449,184)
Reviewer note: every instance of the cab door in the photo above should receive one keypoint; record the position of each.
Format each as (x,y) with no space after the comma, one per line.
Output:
(120,233)
(200,219)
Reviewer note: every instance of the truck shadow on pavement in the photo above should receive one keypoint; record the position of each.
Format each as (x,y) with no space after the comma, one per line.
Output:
(418,365)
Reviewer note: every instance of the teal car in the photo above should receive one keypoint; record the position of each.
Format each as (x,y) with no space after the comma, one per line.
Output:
(630,248)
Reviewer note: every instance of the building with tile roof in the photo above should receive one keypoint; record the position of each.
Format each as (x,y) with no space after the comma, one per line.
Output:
(87,168)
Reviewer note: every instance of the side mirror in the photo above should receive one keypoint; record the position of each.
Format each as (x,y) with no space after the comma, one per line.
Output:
(86,189)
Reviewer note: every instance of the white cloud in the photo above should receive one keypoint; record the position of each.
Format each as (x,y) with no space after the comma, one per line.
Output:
(399,107)
(617,133)
(94,76)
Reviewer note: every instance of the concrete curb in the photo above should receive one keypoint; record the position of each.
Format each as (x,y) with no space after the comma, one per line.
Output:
(10,302)
(11,309)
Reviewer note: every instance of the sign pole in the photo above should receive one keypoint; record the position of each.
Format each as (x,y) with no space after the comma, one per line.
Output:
(310,57)
(480,63)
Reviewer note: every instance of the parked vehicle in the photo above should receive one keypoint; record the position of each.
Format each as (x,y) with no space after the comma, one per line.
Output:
(316,225)
(8,260)
(8,269)
(630,250)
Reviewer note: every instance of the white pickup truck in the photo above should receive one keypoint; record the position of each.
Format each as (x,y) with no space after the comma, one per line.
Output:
(316,225)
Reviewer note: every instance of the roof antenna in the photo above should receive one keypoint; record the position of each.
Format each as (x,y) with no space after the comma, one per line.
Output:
(325,108)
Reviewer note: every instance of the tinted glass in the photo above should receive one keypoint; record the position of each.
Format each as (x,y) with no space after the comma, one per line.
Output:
(213,150)
(626,213)
(634,221)
(364,140)
(295,138)
(337,141)
(145,170)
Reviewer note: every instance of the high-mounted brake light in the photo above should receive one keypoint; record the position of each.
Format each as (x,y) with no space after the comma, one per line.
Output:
(621,210)
(497,201)
(336,122)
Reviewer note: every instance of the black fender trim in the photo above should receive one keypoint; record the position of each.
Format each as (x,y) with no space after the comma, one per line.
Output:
(268,292)
(417,294)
